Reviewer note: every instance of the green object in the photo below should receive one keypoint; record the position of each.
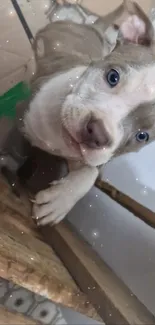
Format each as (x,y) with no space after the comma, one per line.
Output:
(9,100)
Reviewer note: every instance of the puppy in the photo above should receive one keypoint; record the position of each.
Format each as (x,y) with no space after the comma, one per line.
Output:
(88,107)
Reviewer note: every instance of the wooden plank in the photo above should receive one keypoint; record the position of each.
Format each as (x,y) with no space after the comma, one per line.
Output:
(111,298)
(127,202)
(29,262)
(12,318)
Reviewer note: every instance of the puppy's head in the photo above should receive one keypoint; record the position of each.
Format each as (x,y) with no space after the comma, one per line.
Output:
(111,108)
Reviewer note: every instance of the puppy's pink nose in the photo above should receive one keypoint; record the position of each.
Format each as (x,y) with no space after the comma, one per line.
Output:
(94,134)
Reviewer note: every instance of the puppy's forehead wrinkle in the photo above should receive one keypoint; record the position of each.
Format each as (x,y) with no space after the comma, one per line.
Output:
(133,55)
(140,119)
(109,63)
(53,65)
(143,115)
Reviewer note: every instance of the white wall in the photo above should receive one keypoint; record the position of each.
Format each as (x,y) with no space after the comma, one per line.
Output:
(123,241)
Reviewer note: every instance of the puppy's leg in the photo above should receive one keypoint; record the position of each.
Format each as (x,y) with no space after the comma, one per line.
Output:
(53,204)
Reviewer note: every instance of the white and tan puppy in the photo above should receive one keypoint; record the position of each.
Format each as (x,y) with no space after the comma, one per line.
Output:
(87,107)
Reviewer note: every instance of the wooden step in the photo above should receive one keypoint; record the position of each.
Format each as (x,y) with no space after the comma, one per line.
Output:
(29,262)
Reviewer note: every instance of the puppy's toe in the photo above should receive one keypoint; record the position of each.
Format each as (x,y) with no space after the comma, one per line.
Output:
(53,204)
(40,211)
(43,196)
(52,219)
(59,182)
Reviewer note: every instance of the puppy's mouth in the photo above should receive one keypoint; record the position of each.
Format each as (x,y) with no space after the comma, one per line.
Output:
(70,141)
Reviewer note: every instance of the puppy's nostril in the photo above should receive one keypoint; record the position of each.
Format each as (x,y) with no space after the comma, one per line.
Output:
(97,143)
(90,131)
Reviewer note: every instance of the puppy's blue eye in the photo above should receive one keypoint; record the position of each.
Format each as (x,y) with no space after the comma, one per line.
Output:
(112,78)
(142,136)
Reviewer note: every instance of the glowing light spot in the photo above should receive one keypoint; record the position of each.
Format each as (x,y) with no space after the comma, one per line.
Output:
(95,233)
(144,191)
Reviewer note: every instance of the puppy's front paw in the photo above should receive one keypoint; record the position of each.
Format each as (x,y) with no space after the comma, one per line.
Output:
(52,205)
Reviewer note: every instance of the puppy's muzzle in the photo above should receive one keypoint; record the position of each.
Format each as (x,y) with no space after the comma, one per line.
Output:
(94,134)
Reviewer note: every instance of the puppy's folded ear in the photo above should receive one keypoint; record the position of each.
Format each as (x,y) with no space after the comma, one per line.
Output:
(134,25)
(127,23)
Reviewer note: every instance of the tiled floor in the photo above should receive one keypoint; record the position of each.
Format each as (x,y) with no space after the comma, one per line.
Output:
(19,300)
